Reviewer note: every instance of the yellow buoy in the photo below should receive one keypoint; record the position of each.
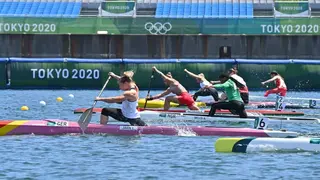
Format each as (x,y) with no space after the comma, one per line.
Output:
(59,99)
(24,108)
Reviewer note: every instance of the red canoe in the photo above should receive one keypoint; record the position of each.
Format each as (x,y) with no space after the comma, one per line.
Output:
(260,111)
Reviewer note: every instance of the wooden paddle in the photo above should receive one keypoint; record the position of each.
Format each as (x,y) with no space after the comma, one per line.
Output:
(145,103)
(87,115)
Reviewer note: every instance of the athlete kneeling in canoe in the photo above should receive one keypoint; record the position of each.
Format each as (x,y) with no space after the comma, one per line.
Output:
(203,83)
(241,84)
(234,102)
(181,97)
(129,100)
(281,87)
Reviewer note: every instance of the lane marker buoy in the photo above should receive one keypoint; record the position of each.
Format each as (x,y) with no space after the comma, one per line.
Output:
(43,103)
(24,108)
(59,99)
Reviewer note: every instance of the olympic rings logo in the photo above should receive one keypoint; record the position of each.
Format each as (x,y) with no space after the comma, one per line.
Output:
(158,28)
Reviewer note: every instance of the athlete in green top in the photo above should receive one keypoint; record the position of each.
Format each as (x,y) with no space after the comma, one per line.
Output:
(231,89)
(234,103)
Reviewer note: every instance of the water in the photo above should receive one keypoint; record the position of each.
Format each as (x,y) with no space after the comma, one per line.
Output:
(142,157)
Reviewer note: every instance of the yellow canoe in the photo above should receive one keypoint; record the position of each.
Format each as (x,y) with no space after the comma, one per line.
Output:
(158,103)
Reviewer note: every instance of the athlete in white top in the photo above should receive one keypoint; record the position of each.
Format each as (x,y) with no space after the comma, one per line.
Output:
(129,100)
(205,86)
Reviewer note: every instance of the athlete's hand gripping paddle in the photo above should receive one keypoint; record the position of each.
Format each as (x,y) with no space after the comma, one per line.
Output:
(148,94)
(87,115)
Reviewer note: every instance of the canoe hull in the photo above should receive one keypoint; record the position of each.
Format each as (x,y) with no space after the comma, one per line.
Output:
(60,127)
(267,144)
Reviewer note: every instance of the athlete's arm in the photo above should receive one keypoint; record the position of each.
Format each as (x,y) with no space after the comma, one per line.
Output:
(116,99)
(224,85)
(270,80)
(162,75)
(192,74)
(164,93)
(131,95)
(114,76)
(215,82)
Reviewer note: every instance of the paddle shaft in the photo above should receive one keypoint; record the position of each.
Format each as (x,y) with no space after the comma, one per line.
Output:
(150,82)
(104,86)
(86,116)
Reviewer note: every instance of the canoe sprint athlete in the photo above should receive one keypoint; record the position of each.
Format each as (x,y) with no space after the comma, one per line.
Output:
(234,102)
(129,100)
(181,96)
(281,87)
(203,82)
(241,84)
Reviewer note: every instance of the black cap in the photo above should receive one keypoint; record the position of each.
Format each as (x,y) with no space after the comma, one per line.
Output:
(274,72)
(224,75)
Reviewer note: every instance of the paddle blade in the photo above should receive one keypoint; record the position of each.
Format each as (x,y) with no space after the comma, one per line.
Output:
(85,119)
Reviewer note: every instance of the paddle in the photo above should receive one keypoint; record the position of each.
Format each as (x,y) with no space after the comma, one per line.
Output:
(87,115)
(145,103)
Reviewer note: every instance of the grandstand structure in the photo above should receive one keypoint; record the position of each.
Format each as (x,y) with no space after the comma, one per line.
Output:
(200,29)
(147,8)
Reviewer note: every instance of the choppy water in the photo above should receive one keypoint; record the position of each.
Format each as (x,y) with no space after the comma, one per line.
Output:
(143,157)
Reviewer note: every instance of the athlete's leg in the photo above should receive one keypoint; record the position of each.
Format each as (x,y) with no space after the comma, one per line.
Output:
(245,97)
(168,100)
(240,109)
(193,107)
(214,93)
(137,122)
(200,92)
(113,112)
(271,91)
(219,105)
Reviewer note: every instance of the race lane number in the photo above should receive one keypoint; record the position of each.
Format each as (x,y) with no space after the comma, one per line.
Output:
(280,104)
(65,73)
(312,103)
(261,123)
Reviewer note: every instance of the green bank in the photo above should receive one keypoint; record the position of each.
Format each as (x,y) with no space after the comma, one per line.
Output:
(150,25)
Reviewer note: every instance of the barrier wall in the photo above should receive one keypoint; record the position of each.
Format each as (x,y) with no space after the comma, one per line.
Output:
(159,47)
(3,72)
(59,72)
(92,73)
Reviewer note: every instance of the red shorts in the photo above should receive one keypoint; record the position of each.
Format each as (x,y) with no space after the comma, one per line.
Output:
(280,91)
(185,99)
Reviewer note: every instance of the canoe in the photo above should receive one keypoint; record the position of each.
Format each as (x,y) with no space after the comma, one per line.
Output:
(60,127)
(251,111)
(151,116)
(271,105)
(267,144)
(159,103)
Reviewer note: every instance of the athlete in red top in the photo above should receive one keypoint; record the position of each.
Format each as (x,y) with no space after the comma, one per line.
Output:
(281,88)
(181,96)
